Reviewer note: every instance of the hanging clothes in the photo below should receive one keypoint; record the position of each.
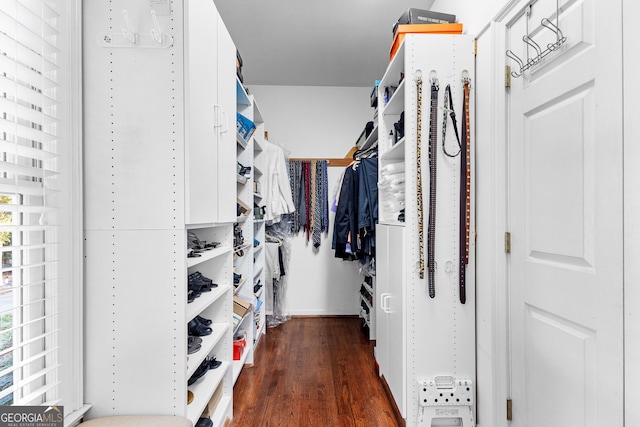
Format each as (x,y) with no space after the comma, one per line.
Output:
(357,211)
(275,184)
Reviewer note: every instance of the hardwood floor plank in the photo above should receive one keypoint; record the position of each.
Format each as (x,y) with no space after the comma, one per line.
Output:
(313,371)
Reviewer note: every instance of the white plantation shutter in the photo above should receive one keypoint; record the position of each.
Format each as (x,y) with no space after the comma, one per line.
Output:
(29,197)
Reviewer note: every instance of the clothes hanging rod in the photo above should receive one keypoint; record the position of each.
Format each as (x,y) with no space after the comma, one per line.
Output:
(330,162)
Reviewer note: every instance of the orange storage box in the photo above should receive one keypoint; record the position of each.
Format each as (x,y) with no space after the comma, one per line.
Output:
(422,29)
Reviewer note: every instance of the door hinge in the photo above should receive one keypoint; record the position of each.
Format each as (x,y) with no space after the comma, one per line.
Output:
(507,242)
(509,410)
(507,76)
(475,47)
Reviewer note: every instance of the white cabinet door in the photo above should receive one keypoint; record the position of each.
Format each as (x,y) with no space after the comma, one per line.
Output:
(227,129)
(397,374)
(381,298)
(201,111)
(390,313)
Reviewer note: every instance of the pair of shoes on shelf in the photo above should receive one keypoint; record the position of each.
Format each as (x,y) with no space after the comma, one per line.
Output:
(194,344)
(256,242)
(236,278)
(204,422)
(192,295)
(198,328)
(193,242)
(206,365)
(199,283)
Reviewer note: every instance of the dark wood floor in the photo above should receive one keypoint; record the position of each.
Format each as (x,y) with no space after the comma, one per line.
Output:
(312,371)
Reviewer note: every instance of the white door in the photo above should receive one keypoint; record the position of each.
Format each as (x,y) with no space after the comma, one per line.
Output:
(565,218)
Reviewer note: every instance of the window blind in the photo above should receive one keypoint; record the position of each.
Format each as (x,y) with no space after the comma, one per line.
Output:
(29,193)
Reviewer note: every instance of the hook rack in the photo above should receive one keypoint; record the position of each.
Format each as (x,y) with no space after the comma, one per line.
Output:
(540,54)
(129,38)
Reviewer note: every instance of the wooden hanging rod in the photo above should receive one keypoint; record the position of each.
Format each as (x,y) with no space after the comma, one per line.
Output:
(346,161)
(330,162)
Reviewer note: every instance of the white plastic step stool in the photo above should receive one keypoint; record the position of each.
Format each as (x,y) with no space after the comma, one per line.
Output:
(446,402)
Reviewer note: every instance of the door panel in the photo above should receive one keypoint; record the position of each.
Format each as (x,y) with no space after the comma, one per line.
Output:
(397,368)
(201,56)
(227,129)
(565,215)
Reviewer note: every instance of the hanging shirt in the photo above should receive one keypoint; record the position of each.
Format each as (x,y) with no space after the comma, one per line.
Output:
(275,183)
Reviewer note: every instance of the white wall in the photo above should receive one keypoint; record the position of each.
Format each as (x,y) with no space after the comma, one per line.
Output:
(631,62)
(318,122)
(474,15)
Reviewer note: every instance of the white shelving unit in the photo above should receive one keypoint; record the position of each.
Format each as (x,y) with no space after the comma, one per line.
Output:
(436,335)
(158,144)
(249,257)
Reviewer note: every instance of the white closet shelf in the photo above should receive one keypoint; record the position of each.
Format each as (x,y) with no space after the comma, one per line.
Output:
(203,389)
(208,255)
(238,364)
(205,300)
(244,319)
(241,141)
(396,152)
(238,286)
(395,106)
(208,343)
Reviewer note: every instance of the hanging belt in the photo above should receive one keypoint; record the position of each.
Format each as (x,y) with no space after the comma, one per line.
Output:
(431,232)
(419,174)
(448,108)
(465,194)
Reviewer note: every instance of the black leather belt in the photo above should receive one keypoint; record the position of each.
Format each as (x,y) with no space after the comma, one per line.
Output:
(431,232)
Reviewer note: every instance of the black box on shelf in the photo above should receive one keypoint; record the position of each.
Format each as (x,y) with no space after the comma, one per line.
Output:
(421,16)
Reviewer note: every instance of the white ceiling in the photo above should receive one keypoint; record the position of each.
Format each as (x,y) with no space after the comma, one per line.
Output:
(314,43)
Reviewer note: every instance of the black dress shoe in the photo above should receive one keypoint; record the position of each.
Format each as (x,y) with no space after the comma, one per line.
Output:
(193,347)
(204,422)
(192,295)
(198,329)
(198,373)
(198,285)
(203,321)
(212,363)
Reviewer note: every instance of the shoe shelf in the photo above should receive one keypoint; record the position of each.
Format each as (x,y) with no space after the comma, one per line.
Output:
(242,247)
(209,342)
(208,255)
(258,272)
(205,300)
(219,416)
(260,293)
(242,321)
(238,286)
(241,141)
(239,364)
(204,388)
